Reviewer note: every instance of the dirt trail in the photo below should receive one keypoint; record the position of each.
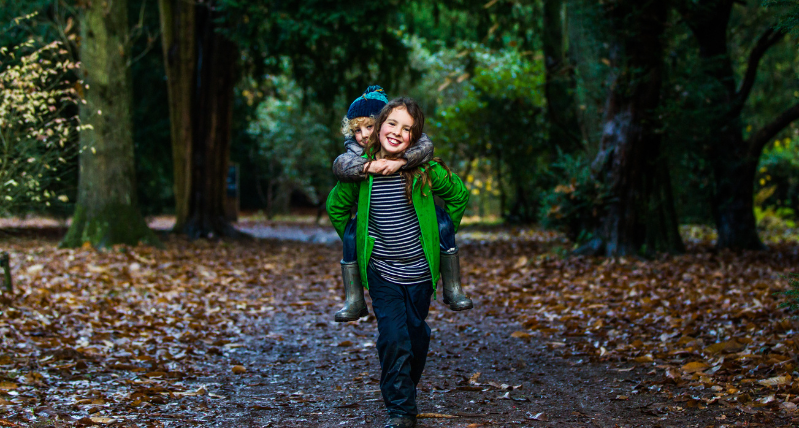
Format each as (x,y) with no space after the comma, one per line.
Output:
(306,370)
(241,334)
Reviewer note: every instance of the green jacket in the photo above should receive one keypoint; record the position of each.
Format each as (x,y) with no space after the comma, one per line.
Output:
(451,190)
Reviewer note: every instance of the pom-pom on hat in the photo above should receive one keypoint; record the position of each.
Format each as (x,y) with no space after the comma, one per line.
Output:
(368,104)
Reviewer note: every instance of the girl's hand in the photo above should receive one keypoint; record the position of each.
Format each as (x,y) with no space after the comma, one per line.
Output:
(376,166)
(393,165)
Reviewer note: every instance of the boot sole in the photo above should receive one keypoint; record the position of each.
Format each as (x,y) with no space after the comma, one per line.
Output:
(362,314)
(461,308)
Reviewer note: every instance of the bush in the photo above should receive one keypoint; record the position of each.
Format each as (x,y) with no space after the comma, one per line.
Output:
(575,203)
(290,152)
(38,124)
(778,179)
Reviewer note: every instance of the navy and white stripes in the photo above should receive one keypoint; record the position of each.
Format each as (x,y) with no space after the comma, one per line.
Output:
(397,255)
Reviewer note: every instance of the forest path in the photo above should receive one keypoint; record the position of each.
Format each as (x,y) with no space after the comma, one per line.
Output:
(304,369)
(241,334)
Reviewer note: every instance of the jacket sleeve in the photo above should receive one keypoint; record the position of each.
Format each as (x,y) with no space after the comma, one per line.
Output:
(348,166)
(339,202)
(452,191)
(420,153)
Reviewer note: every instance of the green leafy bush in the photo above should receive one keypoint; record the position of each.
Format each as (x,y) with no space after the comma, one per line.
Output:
(290,152)
(575,203)
(489,123)
(777,197)
(38,124)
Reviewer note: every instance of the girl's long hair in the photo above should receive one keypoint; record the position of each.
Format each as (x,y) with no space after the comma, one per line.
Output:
(373,145)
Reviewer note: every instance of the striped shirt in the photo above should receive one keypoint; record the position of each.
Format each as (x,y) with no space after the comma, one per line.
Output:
(397,255)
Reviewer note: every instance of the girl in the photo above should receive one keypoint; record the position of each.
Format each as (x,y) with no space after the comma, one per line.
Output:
(397,245)
(352,166)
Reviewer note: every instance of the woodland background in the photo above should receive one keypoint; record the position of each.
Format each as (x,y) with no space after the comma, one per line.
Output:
(634,176)
(612,121)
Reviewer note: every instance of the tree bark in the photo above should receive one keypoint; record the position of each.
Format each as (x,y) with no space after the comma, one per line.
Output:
(733,159)
(640,217)
(560,83)
(201,68)
(106,212)
(178,22)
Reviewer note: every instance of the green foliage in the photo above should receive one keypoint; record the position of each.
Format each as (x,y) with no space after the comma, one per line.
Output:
(497,24)
(788,12)
(687,112)
(332,48)
(777,198)
(151,128)
(589,56)
(290,148)
(694,110)
(575,203)
(489,122)
(37,131)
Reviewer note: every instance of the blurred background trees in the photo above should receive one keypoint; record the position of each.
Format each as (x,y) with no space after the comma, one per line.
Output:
(612,121)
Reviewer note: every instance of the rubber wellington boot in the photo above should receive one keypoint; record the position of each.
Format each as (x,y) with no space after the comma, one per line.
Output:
(451,280)
(354,304)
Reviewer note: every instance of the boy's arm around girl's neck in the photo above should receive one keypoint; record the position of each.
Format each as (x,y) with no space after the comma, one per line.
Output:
(421,152)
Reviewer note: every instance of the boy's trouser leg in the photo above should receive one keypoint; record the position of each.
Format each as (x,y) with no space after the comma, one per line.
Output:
(446,232)
(450,264)
(403,341)
(348,240)
(354,303)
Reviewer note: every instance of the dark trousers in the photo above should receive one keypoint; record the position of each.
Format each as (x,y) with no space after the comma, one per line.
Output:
(403,339)
(446,236)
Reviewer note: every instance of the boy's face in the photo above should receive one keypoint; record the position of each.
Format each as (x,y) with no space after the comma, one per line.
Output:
(362,130)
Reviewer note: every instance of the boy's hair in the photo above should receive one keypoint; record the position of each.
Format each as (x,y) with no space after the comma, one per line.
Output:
(349,126)
(373,145)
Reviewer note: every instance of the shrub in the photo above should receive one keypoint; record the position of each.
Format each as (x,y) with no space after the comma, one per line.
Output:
(778,181)
(38,124)
(575,203)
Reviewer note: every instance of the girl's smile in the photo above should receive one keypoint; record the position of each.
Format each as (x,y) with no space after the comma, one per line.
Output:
(395,134)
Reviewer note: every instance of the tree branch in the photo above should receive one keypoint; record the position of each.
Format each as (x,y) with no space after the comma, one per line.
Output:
(759,139)
(768,39)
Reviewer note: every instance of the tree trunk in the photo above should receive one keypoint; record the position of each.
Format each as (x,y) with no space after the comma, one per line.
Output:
(640,217)
(201,68)
(733,200)
(106,212)
(560,83)
(178,27)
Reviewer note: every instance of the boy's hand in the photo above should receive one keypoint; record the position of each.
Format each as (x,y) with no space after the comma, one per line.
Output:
(393,165)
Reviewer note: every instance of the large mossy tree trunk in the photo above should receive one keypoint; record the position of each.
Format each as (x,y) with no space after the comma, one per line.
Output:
(559,88)
(733,158)
(639,217)
(106,212)
(201,72)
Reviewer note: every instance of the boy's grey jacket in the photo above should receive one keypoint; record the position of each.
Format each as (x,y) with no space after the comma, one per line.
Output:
(348,166)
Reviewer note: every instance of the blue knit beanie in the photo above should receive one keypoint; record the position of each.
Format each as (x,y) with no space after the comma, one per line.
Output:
(368,104)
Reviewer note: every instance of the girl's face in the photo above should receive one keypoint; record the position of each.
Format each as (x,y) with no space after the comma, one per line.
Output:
(395,133)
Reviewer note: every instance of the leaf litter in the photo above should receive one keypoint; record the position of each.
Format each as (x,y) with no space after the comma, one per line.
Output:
(106,337)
